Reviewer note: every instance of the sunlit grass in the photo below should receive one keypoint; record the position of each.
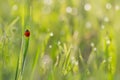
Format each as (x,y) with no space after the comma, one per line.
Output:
(69,40)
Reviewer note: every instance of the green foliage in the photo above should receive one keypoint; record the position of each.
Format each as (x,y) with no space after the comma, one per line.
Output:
(69,40)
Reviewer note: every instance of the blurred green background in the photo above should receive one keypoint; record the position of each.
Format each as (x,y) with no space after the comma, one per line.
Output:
(70,39)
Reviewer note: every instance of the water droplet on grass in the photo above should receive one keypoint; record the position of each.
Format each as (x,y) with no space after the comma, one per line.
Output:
(51,34)
(87,7)
(50,46)
(92,44)
(108,6)
(108,42)
(68,9)
(104,61)
(59,42)
(95,49)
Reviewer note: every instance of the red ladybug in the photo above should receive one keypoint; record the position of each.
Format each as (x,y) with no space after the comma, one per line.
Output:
(27,33)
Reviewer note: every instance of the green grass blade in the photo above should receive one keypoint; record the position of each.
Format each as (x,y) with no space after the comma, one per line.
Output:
(17,69)
(25,52)
(35,62)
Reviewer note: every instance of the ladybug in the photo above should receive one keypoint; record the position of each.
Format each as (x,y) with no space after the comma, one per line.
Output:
(27,33)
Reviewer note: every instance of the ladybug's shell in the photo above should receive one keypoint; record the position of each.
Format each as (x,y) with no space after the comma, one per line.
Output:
(27,33)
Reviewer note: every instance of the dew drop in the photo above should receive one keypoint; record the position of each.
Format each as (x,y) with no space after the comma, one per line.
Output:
(104,61)
(108,6)
(95,49)
(108,42)
(68,9)
(51,34)
(59,42)
(87,7)
(92,44)
(50,46)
